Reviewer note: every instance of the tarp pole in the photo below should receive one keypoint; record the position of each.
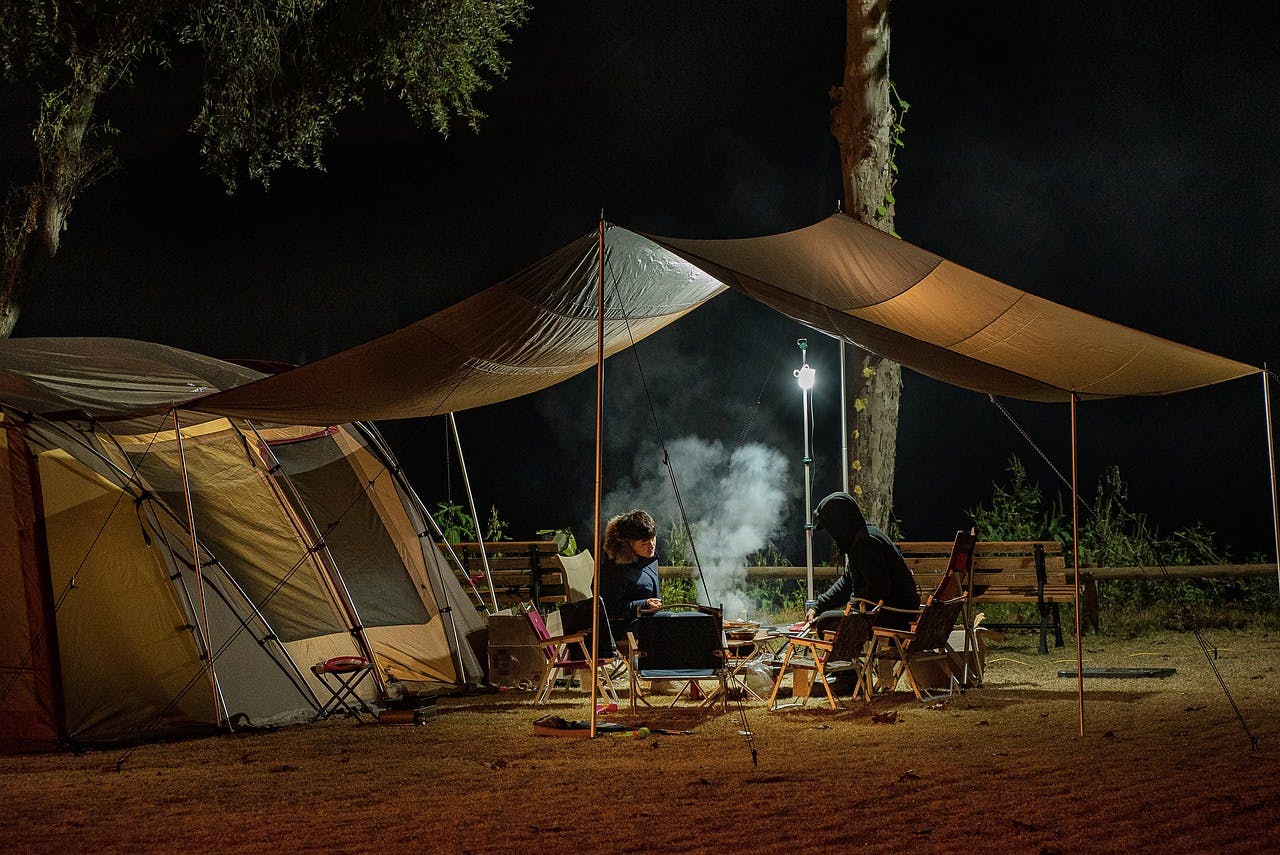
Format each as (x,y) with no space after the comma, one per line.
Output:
(475,518)
(844,425)
(195,560)
(1271,458)
(595,571)
(1075,557)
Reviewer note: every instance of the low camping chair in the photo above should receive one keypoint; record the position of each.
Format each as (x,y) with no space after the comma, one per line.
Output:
(564,654)
(679,646)
(830,653)
(928,640)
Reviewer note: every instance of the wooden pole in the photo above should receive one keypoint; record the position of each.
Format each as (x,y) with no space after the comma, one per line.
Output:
(595,573)
(1075,558)
(1271,458)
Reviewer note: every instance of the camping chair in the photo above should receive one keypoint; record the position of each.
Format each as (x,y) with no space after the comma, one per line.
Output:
(957,579)
(928,640)
(839,651)
(683,647)
(561,652)
(579,571)
(576,617)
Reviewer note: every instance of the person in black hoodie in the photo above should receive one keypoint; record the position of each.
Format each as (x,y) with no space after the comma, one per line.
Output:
(874,569)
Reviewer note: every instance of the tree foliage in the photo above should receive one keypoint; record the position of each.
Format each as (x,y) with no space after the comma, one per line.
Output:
(276,75)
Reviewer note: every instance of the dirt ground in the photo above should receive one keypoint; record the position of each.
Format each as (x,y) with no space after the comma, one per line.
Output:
(1165,765)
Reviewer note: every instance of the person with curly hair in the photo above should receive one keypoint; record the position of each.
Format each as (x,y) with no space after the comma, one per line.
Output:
(629,572)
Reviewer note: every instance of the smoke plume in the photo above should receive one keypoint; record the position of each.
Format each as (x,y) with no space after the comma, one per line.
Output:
(734,501)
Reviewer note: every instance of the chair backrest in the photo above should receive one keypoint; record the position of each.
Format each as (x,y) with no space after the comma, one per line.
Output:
(579,570)
(853,632)
(576,617)
(959,565)
(933,628)
(539,626)
(672,641)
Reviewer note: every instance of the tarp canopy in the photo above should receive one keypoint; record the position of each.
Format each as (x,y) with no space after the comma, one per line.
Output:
(534,330)
(887,296)
(838,276)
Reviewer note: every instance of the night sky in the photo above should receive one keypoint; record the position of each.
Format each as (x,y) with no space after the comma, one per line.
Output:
(1117,158)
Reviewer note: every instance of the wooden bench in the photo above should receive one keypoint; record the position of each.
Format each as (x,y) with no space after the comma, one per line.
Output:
(522,571)
(1012,572)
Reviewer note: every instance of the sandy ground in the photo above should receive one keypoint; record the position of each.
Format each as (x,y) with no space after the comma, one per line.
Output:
(1164,765)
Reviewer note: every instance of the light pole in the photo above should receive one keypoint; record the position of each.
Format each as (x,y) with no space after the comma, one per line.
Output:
(804,377)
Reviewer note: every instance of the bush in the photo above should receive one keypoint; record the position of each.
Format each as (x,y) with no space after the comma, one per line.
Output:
(1114,536)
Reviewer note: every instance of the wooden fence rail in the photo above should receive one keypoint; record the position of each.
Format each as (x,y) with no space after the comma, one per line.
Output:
(1197,571)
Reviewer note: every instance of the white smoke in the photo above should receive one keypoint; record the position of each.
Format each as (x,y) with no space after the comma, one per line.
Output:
(734,502)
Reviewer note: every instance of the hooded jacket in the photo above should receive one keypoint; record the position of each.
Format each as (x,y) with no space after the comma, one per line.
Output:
(627,580)
(874,569)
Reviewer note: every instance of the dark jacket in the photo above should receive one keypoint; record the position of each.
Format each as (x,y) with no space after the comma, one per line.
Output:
(874,569)
(625,587)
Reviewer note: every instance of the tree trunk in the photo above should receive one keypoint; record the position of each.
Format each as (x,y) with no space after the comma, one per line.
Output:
(862,119)
(36,213)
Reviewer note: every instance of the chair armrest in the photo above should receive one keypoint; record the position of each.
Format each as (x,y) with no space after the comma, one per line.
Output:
(564,639)
(884,632)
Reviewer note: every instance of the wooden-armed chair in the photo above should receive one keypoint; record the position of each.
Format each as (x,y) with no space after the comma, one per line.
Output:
(927,640)
(565,654)
(678,646)
(843,650)
(957,579)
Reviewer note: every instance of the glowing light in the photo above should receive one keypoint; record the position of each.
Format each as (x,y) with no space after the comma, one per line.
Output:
(805,376)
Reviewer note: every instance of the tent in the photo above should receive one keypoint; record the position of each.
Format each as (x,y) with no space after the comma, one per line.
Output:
(309,545)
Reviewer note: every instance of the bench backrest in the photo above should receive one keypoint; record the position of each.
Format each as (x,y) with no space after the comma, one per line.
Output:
(1025,559)
(510,555)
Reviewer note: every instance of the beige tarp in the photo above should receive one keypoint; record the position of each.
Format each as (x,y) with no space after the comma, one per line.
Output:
(529,332)
(838,276)
(936,317)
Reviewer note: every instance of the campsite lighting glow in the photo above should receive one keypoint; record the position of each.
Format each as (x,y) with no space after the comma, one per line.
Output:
(805,376)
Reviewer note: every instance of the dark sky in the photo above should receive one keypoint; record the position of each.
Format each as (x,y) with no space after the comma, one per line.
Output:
(1117,158)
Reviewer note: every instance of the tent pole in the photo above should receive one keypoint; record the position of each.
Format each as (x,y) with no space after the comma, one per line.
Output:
(126,481)
(308,531)
(1271,458)
(1075,557)
(195,560)
(595,577)
(844,425)
(471,503)
(388,459)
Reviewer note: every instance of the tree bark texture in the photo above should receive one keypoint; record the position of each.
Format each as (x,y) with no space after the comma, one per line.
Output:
(36,213)
(862,118)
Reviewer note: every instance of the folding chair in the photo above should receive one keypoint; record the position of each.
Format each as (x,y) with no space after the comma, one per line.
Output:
(845,649)
(928,640)
(682,647)
(342,675)
(561,652)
